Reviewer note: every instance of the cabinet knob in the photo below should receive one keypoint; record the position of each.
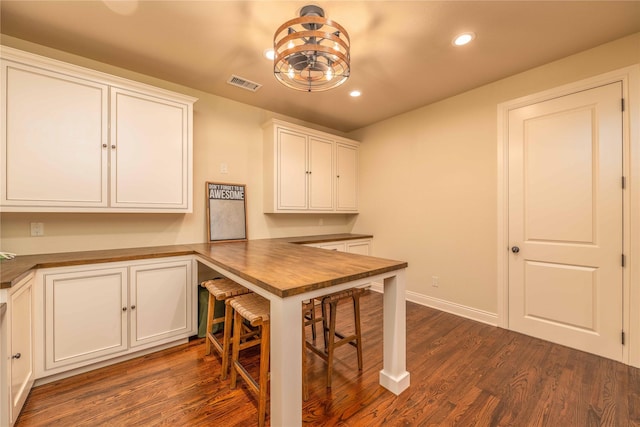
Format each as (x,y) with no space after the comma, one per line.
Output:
(337,176)
(113,146)
(124,308)
(16,356)
(133,307)
(515,249)
(104,145)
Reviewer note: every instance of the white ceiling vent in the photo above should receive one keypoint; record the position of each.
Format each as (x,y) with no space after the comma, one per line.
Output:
(244,83)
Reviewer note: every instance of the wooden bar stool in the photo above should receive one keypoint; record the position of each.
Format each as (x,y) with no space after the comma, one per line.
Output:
(255,310)
(220,289)
(328,319)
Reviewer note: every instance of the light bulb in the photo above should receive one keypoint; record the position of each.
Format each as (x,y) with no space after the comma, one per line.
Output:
(329,74)
(291,73)
(463,39)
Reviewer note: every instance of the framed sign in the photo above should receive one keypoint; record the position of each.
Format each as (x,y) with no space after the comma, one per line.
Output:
(226,211)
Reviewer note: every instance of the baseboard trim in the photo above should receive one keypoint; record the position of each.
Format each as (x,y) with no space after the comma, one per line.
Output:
(447,306)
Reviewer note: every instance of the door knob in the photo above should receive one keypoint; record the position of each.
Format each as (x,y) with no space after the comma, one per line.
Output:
(515,249)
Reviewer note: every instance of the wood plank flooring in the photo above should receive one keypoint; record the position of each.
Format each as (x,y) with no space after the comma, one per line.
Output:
(463,373)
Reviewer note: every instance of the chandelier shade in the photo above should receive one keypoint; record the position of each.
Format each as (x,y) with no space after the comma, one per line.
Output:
(311,52)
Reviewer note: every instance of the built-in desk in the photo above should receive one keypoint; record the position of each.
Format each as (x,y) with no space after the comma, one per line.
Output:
(287,274)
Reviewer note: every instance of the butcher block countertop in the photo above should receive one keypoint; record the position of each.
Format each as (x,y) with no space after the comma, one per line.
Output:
(261,262)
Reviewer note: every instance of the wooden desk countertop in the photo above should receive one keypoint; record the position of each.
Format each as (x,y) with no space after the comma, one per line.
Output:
(257,261)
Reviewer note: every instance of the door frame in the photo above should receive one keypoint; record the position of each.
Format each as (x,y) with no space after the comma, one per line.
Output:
(630,78)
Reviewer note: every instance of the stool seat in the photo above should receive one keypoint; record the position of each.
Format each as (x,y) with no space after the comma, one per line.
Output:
(224,288)
(220,289)
(252,307)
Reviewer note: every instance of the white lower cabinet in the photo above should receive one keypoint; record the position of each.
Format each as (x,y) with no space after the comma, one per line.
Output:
(160,302)
(359,246)
(95,313)
(16,350)
(85,316)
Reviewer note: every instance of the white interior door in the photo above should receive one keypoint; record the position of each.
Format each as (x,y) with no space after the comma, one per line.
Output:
(565,220)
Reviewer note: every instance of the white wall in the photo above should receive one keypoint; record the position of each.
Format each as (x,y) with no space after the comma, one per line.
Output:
(429,193)
(224,131)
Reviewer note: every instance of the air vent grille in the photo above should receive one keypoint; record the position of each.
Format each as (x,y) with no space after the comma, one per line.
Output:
(244,83)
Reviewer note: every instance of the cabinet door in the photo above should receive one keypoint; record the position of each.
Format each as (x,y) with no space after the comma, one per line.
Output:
(160,302)
(333,246)
(347,177)
(149,152)
(20,311)
(320,174)
(360,247)
(85,316)
(54,139)
(292,170)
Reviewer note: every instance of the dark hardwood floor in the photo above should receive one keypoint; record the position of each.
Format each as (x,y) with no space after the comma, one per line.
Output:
(463,373)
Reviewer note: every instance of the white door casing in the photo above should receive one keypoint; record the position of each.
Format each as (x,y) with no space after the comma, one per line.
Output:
(559,245)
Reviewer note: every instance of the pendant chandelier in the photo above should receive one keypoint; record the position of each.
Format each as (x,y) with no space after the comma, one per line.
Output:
(311,52)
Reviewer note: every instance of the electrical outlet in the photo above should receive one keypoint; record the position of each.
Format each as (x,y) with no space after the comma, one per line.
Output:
(37,229)
(224,168)
(435,281)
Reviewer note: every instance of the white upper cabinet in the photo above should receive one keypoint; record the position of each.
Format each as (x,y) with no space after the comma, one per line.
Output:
(77,140)
(321,155)
(346,178)
(301,171)
(150,153)
(56,131)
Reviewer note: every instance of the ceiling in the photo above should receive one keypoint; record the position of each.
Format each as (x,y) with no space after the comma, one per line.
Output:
(402,57)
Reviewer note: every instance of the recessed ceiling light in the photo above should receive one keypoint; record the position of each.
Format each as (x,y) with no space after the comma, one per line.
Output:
(464,38)
(269,54)
(355,93)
